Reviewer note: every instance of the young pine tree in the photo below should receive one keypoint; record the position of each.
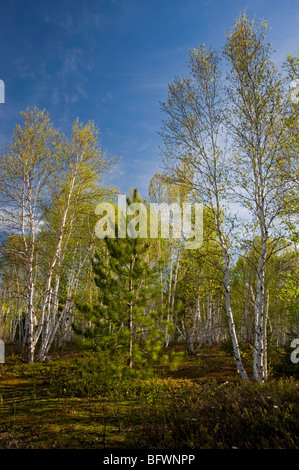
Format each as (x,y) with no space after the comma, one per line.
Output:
(124,324)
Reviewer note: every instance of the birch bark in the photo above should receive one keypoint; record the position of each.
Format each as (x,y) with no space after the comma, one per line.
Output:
(194,160)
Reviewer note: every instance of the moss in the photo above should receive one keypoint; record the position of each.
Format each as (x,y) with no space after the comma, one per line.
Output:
(68,403)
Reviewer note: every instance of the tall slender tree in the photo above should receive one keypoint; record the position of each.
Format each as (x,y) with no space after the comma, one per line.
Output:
(124,324)
(27,167)
(45,176)
(257,127)
(195,153)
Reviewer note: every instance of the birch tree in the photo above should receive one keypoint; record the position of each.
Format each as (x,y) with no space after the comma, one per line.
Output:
(258,131)
(199,292)
(192,136)
(81,166)
(161,191)
(46,179)
(27,166)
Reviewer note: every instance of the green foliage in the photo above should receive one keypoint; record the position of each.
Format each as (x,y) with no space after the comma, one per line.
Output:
(122,323)
(227,346)
(245,416)
(79,402)
(93,376)
(137,295)
(284,366)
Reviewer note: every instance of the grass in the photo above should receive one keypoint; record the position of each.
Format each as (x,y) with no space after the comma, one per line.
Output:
(70,403)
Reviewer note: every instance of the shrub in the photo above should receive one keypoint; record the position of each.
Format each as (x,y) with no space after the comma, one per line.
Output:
(247,415)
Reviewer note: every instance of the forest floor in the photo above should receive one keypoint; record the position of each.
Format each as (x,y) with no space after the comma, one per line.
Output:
(201,404)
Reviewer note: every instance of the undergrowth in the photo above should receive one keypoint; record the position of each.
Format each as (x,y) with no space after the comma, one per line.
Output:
(80,402)
(212,416)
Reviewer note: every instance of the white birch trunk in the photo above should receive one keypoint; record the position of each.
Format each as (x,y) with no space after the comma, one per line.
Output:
(31,322)
(167,338)
(266,334)
(55,318)
(231,324)
(57,258)
(258,356)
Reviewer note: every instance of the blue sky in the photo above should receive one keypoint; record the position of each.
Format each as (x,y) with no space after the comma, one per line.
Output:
(110,61)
